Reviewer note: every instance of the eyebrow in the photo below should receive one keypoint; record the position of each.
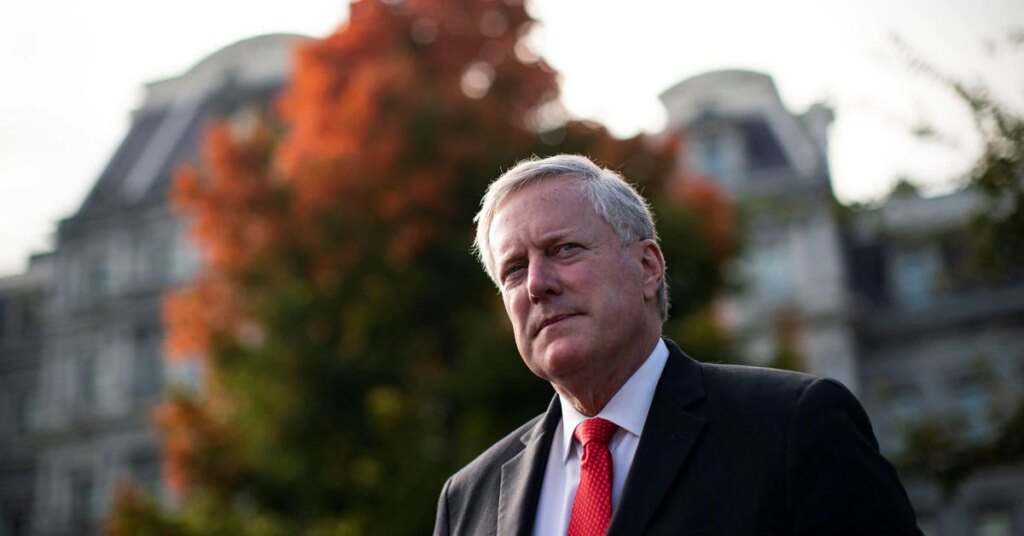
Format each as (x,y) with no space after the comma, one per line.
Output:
(502,257)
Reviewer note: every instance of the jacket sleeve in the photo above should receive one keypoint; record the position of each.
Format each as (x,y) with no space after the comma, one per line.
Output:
(441,523)
(837,482)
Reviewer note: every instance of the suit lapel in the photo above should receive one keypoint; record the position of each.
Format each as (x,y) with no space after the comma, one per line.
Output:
(522,476)
(669,435)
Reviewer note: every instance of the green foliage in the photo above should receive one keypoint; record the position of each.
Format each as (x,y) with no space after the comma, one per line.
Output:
(999,173)
(998,231)
(937,450)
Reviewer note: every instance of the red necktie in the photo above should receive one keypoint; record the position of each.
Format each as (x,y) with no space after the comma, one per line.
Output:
(592,508)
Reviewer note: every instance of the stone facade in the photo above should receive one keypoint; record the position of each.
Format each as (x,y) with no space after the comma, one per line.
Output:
(102,370)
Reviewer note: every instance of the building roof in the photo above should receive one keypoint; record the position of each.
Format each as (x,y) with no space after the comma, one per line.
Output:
(165,131)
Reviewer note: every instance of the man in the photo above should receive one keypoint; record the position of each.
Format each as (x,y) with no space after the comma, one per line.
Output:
(641,439)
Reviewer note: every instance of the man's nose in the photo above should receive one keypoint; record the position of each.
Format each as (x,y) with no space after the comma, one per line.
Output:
(542,280)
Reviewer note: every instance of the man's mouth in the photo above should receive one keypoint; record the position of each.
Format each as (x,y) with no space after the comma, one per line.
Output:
(554,320)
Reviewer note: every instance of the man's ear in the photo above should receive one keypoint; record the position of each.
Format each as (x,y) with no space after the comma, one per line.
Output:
(652,264)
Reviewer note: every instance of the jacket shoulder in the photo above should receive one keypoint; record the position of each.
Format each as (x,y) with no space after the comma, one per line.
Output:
(469,500)
(486,467)
(773,401)
(756,384)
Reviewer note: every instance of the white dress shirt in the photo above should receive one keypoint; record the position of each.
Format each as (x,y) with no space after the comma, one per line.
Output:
(628,409)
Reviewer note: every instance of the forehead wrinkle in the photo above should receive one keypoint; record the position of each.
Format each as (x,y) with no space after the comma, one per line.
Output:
(546,237)
(533,235)
(505,234)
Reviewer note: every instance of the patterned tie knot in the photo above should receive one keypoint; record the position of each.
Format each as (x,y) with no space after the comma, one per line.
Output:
(595,430)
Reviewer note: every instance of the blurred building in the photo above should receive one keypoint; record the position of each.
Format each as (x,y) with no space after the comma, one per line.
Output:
(774,165)
(101,367)
(22,299)
(885,300)
(939,341)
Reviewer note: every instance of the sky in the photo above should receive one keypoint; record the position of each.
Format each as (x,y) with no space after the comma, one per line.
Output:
(73,72)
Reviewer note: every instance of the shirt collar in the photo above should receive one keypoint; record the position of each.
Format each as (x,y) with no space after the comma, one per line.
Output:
(628,408)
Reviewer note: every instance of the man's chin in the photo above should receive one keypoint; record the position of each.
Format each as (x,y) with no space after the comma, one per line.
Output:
(561,359)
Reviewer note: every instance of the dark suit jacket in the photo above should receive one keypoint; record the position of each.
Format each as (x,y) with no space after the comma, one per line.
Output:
(726,450)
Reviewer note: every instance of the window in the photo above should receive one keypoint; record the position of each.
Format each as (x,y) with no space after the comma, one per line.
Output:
(83,496)
(905,409)
(906,404)
(715,154)
(96,279)
(144,467)
(971,397)
(69,282)
(915,274)
(147,364)
(994,522)
(902,408)
(18,316)
(711,155)
(773,270)
(30,315)
(154,255)
(86,380)
(24,412)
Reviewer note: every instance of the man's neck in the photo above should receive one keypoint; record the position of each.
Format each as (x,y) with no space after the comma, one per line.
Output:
(590,395)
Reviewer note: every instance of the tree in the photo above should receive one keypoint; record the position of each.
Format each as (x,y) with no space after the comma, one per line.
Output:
(998,172)
(937,449)
(356,353)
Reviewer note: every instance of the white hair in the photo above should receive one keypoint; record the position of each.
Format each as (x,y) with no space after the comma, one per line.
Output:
(615,201)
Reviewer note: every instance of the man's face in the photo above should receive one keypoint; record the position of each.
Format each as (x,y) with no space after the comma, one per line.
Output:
(578,300)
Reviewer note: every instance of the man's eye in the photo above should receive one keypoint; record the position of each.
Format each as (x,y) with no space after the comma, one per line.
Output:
(511,271)
(568,247)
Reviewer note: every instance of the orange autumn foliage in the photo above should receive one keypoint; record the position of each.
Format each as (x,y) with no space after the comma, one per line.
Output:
(360,113)
(335,238)
(366,169)
(196,442)
(235,212)
(235,216)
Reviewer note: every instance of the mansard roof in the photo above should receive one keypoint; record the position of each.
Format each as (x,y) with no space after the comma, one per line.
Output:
(166,130)
(774,137)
